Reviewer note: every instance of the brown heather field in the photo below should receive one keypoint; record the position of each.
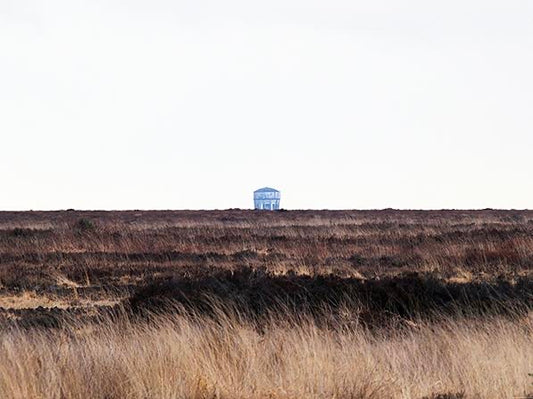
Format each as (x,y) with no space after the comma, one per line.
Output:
(244,304)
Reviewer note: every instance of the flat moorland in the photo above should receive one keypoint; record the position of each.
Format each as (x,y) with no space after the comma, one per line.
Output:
(248,304)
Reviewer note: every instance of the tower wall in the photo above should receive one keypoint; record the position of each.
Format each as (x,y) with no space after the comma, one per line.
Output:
(267,199)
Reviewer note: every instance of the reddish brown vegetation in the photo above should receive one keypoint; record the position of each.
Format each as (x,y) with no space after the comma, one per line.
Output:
(83,257)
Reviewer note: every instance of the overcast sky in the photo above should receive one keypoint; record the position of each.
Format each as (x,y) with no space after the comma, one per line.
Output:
(115,104)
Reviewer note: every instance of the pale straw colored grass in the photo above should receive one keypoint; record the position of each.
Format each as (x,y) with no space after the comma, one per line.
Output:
(182,357)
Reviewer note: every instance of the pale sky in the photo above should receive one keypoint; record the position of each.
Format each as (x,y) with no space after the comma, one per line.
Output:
(156,104)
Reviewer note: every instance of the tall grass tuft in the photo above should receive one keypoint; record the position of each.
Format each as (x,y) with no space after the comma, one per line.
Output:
(193,356)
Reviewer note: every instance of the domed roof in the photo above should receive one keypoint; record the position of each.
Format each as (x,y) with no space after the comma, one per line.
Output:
(266,190)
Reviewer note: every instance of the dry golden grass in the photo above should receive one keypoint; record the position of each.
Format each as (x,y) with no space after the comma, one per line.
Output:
(195,357)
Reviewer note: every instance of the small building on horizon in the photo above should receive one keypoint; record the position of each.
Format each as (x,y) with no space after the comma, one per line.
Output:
(267,198)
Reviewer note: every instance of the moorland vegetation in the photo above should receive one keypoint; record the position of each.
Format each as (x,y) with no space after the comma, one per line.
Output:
(244,304)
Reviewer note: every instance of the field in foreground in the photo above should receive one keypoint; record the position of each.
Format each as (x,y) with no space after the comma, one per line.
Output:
(242,304)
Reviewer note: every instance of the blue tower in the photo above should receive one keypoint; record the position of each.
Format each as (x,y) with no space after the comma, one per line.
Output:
(267,198)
